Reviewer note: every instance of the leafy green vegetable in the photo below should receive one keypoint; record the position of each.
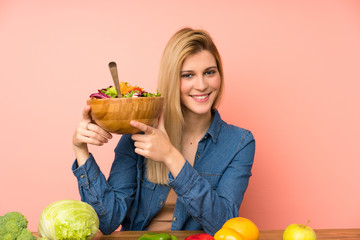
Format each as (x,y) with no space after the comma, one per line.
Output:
(68,219)
(146,94)
(110,91)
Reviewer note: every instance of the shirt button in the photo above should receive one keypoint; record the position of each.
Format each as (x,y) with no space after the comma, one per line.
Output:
(205,137)
(174,219)
(161,203)
(198,156)
(82,175)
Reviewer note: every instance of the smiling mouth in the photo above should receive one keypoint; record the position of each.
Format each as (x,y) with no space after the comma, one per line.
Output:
(201,97)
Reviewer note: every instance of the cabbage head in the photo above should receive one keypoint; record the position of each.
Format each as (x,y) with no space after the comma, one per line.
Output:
(68,219)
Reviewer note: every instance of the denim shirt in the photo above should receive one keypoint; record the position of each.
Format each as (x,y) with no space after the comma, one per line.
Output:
(208,193)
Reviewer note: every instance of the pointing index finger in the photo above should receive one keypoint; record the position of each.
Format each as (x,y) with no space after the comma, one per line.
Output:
(141,126)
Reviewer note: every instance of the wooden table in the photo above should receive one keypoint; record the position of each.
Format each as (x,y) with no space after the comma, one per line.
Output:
(134,235)
(322,234)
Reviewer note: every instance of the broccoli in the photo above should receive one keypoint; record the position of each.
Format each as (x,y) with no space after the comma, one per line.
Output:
(12,226)
(26,235)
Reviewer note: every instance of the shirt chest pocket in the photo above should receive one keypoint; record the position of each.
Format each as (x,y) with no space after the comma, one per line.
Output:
(212,178)
(147,185)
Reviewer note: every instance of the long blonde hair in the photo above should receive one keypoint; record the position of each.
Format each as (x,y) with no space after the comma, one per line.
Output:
(182,44)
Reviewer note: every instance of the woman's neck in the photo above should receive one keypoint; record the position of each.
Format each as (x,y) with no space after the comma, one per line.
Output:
(196,125)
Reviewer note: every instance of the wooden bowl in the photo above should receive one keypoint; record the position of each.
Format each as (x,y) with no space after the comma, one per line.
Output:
(115,114)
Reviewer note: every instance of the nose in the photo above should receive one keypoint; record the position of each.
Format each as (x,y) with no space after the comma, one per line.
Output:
(200,83)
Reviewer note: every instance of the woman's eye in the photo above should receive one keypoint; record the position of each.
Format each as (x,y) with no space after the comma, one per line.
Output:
(187,75)
(210,72)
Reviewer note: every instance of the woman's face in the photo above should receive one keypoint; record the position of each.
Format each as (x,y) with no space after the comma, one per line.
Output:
(199,83)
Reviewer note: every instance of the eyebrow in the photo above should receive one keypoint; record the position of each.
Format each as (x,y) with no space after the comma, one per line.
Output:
(206,69)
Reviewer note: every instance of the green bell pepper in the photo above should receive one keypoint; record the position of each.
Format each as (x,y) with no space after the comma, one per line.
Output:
(157,236)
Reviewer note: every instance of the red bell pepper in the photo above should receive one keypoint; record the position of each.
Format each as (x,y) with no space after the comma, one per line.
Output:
(200,236)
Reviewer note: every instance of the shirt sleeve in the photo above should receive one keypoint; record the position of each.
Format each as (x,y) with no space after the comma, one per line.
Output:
(110,198)
(212,207)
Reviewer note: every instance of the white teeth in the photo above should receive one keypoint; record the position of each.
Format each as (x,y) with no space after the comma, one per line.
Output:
(200,97)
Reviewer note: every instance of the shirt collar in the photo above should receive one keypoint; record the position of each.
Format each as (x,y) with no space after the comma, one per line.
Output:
(214,128)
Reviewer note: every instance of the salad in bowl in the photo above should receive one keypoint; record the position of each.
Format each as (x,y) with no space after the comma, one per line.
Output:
(114,113)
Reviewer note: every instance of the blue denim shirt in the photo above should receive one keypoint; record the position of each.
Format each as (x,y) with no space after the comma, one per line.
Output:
(208,193)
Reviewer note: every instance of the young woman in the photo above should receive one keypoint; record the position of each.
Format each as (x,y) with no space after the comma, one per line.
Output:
(189,172)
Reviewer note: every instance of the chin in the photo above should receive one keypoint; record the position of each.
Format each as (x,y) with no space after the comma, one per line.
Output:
(199,111)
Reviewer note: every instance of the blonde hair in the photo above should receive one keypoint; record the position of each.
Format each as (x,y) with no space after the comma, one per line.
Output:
(182,44)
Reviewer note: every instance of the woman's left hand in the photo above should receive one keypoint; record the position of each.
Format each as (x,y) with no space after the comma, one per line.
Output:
(155,143)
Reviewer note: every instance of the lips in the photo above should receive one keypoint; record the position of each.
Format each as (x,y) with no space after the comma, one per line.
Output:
(201,97)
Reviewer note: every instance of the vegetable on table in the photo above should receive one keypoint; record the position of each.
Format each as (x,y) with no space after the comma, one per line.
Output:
(238,228)
(228,234)
(26,235)
(68,219)
(13,226)
(200,236)
(157,236)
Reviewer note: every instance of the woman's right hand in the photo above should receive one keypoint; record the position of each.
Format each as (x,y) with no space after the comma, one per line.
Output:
(86,133)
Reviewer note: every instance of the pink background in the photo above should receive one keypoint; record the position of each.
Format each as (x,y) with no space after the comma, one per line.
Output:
(292,77)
